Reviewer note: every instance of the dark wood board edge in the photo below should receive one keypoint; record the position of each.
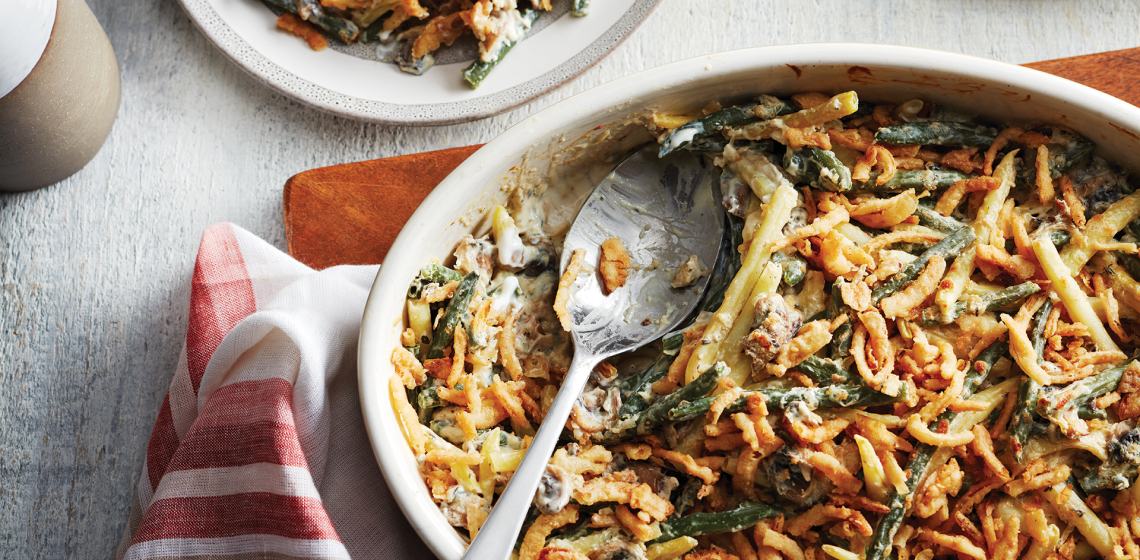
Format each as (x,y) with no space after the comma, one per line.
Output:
(350,213)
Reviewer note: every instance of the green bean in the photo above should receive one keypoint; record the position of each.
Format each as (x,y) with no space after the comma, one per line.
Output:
(312,12)
(1040,319)
(738,518)
(671,343)
(830,396)
(707,144)
(1066,152)
(455,314)
(818,167)
(634,387)
(841,337)
(1100,187)
(579,8)
(880,545)
(704,127)
(431,274)
(714,144)
(1021,423)
(427,399)
(656,413)
(948,248)
(765,107)
(1053,400)
(690,410)
(936,133)
(1001,299)
(832,174)
(1064,157)
(281,6)
(1099,384)
(841,341)
(824,371)
(343,29)
(977,374)
(918,179)
(1089,411)
(935,221)
(479,69)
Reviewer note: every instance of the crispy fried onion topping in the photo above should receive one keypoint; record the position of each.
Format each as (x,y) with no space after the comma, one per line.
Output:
(876,361)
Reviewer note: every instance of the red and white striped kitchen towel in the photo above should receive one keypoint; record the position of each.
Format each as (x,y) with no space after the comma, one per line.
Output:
(259,450)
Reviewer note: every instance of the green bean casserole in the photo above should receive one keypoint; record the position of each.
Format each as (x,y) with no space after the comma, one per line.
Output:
(916,343)
(418,28)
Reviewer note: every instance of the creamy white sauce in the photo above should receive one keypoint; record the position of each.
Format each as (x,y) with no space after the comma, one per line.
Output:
(512,252)
(483,372)
(503,296)
(803,408)
(508,27)
(681,137)
(828,174)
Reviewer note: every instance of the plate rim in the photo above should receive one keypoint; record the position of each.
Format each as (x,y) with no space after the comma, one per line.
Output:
(227,40)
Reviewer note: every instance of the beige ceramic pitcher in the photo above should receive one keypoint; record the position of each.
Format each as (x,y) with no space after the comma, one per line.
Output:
(59,91)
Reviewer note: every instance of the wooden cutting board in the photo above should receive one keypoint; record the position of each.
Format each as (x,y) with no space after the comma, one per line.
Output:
(351,213)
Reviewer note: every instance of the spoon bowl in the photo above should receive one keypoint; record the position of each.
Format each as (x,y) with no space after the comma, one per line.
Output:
(664,211)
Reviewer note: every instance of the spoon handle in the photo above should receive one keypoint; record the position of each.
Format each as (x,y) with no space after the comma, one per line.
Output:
(497,537)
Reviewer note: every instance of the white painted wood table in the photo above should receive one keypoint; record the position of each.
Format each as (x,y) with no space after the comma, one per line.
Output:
(94,271)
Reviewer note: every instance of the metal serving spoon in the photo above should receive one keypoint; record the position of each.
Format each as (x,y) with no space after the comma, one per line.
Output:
(663,210)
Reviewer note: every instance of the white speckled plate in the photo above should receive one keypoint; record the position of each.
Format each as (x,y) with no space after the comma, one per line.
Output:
(343,82)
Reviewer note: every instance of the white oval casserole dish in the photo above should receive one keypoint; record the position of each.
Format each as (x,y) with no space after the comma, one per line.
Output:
(995,90)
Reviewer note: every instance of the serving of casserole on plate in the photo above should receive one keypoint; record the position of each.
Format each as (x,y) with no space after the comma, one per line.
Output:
(376,66)
(410,33)
(916,338)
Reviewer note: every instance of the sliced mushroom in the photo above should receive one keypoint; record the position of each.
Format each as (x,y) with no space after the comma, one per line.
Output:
(793,482)
(775,325)
(618,549)
(554,490)
(597,408)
